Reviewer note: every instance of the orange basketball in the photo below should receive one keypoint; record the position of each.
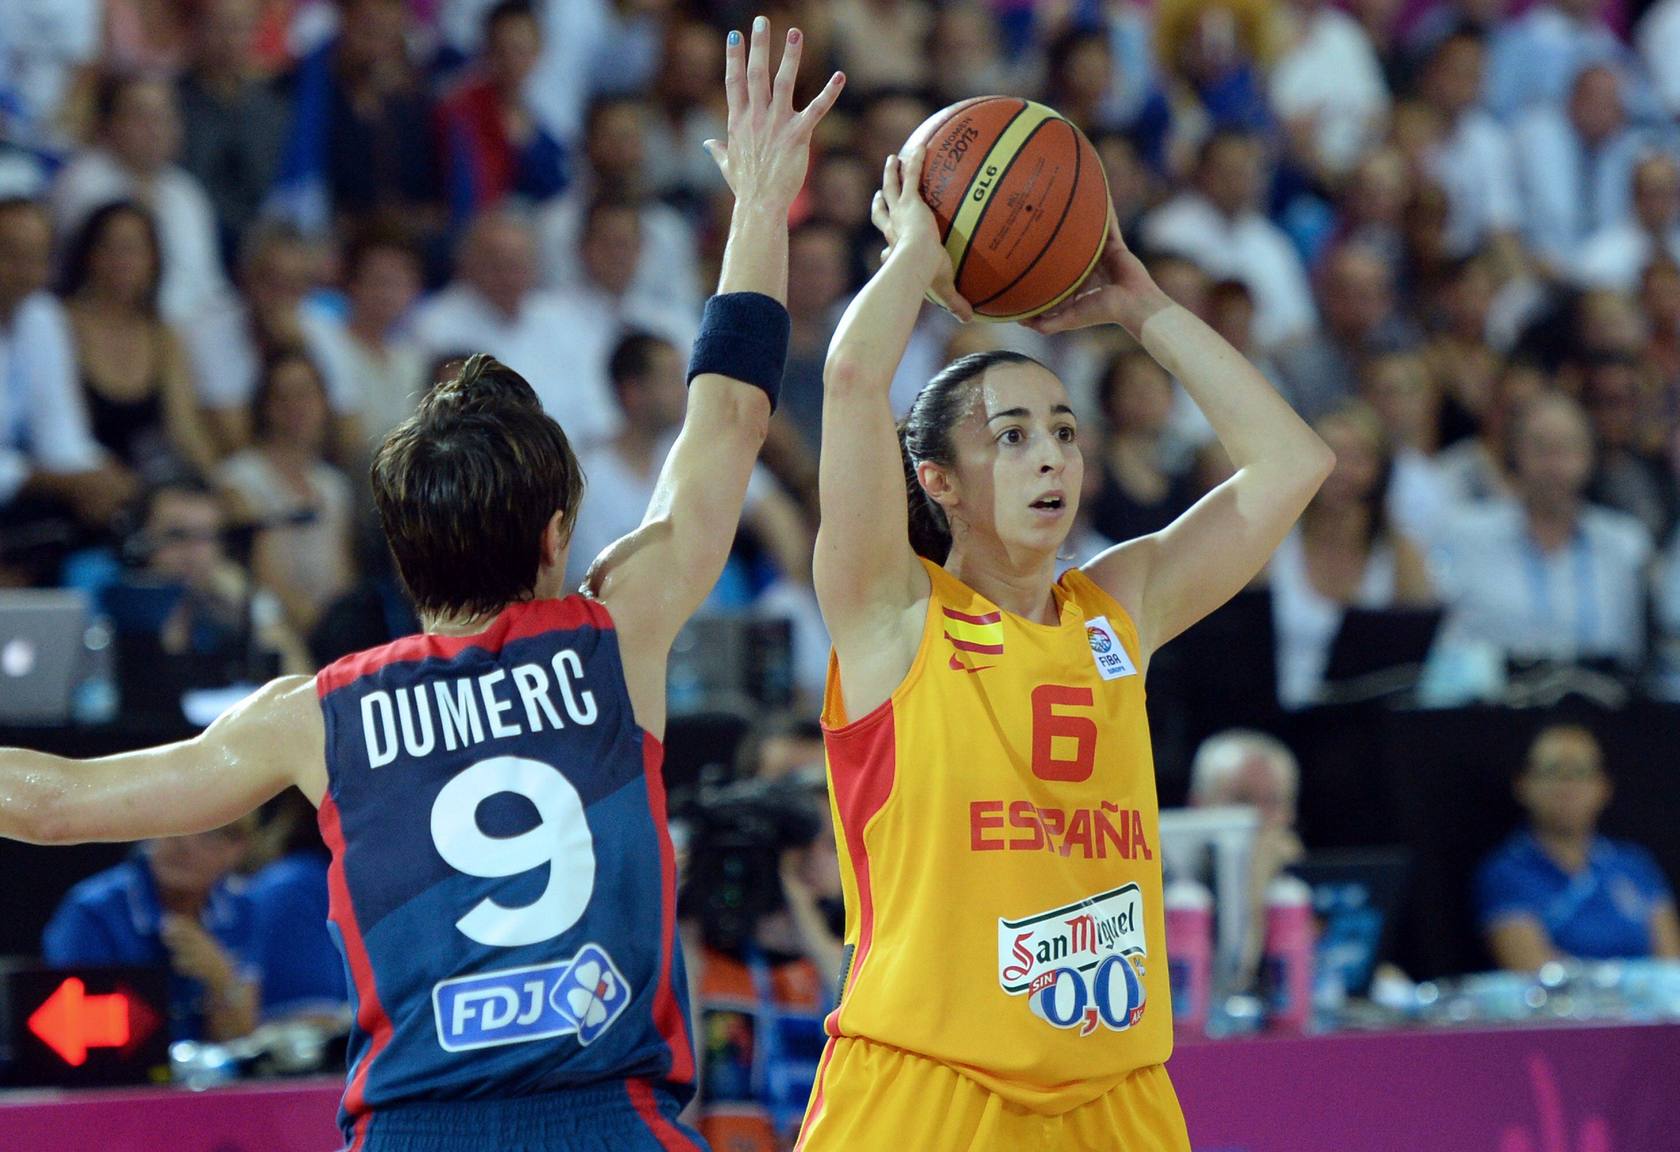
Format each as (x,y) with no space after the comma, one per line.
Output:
(1021,200)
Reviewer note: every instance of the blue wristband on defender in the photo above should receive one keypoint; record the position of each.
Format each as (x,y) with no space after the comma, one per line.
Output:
(743,335)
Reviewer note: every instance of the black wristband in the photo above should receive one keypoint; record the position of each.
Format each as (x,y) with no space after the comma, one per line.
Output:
(743,335)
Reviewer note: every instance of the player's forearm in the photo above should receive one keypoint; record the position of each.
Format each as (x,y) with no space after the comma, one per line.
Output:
(875,330)
(1256,426)
(756,257)
(32,790)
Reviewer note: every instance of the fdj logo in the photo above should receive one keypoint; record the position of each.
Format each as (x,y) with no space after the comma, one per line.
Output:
(583,995)
(1111,994)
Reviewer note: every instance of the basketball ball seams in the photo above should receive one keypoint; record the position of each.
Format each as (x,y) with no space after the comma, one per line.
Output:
(991,196)
(1006,144)
(1065,293)
(1067,207)
(1012,279)
(961,232)
(942,167)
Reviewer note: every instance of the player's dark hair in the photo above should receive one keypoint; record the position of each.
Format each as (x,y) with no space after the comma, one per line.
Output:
(78,258)
(465,489)
(924,435)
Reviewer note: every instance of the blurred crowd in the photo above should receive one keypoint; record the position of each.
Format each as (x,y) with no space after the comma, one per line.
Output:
(238,239)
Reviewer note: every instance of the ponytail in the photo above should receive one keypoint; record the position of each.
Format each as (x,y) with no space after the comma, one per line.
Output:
(930,532)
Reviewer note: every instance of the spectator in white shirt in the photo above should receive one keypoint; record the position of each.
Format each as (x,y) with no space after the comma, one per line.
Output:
(49,460)
(139,140)
(1473,161)
(1575,164)
(368,354)
(647,375)
(230,337)
(559,342)
(1533,58)
(1546,575)
(1328,86)
(1658,38)
(1404,394)
(1344,553)
(687,111)
(647,381)
(46,47)
(1320,371)
(1668,622)
(615,153)
(1219,225)
(1615,256)
(283,483)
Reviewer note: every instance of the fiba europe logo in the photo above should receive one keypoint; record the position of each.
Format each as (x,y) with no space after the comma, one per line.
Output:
(1111,658)
(1080,966)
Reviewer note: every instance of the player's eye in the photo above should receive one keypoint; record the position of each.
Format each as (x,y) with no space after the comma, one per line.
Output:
(1011,436)
(1067,434)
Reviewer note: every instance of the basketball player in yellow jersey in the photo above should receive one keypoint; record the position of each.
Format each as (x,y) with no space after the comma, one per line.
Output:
(992,782)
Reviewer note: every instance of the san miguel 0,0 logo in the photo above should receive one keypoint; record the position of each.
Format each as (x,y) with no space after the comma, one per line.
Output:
(1080,965)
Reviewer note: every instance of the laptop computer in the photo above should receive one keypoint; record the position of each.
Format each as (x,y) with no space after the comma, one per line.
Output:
(1379,652)
(1357,896)
(41,650)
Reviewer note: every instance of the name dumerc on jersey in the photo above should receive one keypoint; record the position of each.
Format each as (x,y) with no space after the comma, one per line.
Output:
(502,880)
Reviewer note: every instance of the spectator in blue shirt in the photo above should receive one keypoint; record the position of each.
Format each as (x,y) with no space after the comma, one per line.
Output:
(176,902)
(1557,889)
(302,970)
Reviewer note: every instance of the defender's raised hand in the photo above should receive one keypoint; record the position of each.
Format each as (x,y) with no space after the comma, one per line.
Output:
(769,143)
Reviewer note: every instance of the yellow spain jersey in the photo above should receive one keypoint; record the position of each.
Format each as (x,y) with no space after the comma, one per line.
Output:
(998,829)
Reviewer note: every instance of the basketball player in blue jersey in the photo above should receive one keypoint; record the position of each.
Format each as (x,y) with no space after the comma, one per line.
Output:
(502,879)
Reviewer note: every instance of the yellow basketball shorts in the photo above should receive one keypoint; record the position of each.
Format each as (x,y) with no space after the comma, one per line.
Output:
(871,1098)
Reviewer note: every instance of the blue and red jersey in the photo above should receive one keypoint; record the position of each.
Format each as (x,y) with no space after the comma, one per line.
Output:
(502,880)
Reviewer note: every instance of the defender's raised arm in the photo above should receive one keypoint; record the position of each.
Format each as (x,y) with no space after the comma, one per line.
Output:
(654,579)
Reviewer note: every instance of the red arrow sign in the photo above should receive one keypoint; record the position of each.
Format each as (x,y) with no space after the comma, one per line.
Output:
(70,1022)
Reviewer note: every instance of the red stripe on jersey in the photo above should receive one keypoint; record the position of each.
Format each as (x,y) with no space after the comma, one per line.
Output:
(988,618)
(670,1137)
(861,770)
(971,646)
(813,1114)
(370,1014)
(517,622)
(667,1013)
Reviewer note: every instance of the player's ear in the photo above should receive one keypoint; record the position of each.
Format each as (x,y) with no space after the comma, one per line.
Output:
(553,540)
(939,482)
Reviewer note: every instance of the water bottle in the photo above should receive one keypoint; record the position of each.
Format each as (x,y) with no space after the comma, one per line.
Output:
(1189,914)
(95,700)
(1286,966)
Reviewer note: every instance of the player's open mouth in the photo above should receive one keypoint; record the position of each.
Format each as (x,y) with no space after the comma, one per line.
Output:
(1051,503)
